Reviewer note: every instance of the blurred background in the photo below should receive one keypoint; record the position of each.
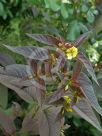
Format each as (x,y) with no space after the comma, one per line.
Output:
(67,18)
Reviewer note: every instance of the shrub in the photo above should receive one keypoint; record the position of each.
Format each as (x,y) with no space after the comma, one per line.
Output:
(53,82)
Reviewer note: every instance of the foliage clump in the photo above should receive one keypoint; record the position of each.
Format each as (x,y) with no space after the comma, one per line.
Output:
(59,64)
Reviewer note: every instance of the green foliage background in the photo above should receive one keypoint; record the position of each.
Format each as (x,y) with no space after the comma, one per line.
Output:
(68,18)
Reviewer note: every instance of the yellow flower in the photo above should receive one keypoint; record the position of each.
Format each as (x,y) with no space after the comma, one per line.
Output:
(67,104)
(67,99)
(71,52)
(69,109)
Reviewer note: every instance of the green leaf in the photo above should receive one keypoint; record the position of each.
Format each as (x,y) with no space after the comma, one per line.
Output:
(47,3)
(84,110)
(52,4)
(1,9)
(84,8)
(83,27)
(88,91)
(4,1)
(64,11)
(74,30)
(90,16)
(3,96)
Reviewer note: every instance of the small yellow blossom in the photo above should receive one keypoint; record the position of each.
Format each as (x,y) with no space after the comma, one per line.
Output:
(71,52)
(67,106)
(67,99)
(69,109)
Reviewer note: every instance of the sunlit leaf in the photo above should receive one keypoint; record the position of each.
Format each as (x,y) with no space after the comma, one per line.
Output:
(64,11)
(74,30)
(52,4)
(90,16)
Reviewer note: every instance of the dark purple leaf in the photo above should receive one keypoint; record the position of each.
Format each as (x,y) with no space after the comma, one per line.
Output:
(84,110)
(6,60)
(30,124)
(87,89)
(48,123)
(84,60)
(17,70)
(46,39)
(31,52)
(60,62)
(77,70)
(56,96)
(82,38)
(36,93)
(43,124)
(34,65)
(6,81)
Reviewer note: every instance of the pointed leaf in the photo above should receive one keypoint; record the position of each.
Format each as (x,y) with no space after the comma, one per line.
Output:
(6,60)
(76,71)
(82,38)
(43,124)
(45,39)
(56,96)
(36,93)
(16,70)
(84,110)
(49,119)
(30,52)
(30,124)
(83,59)
(64,11)
(5,80)
(87,89)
